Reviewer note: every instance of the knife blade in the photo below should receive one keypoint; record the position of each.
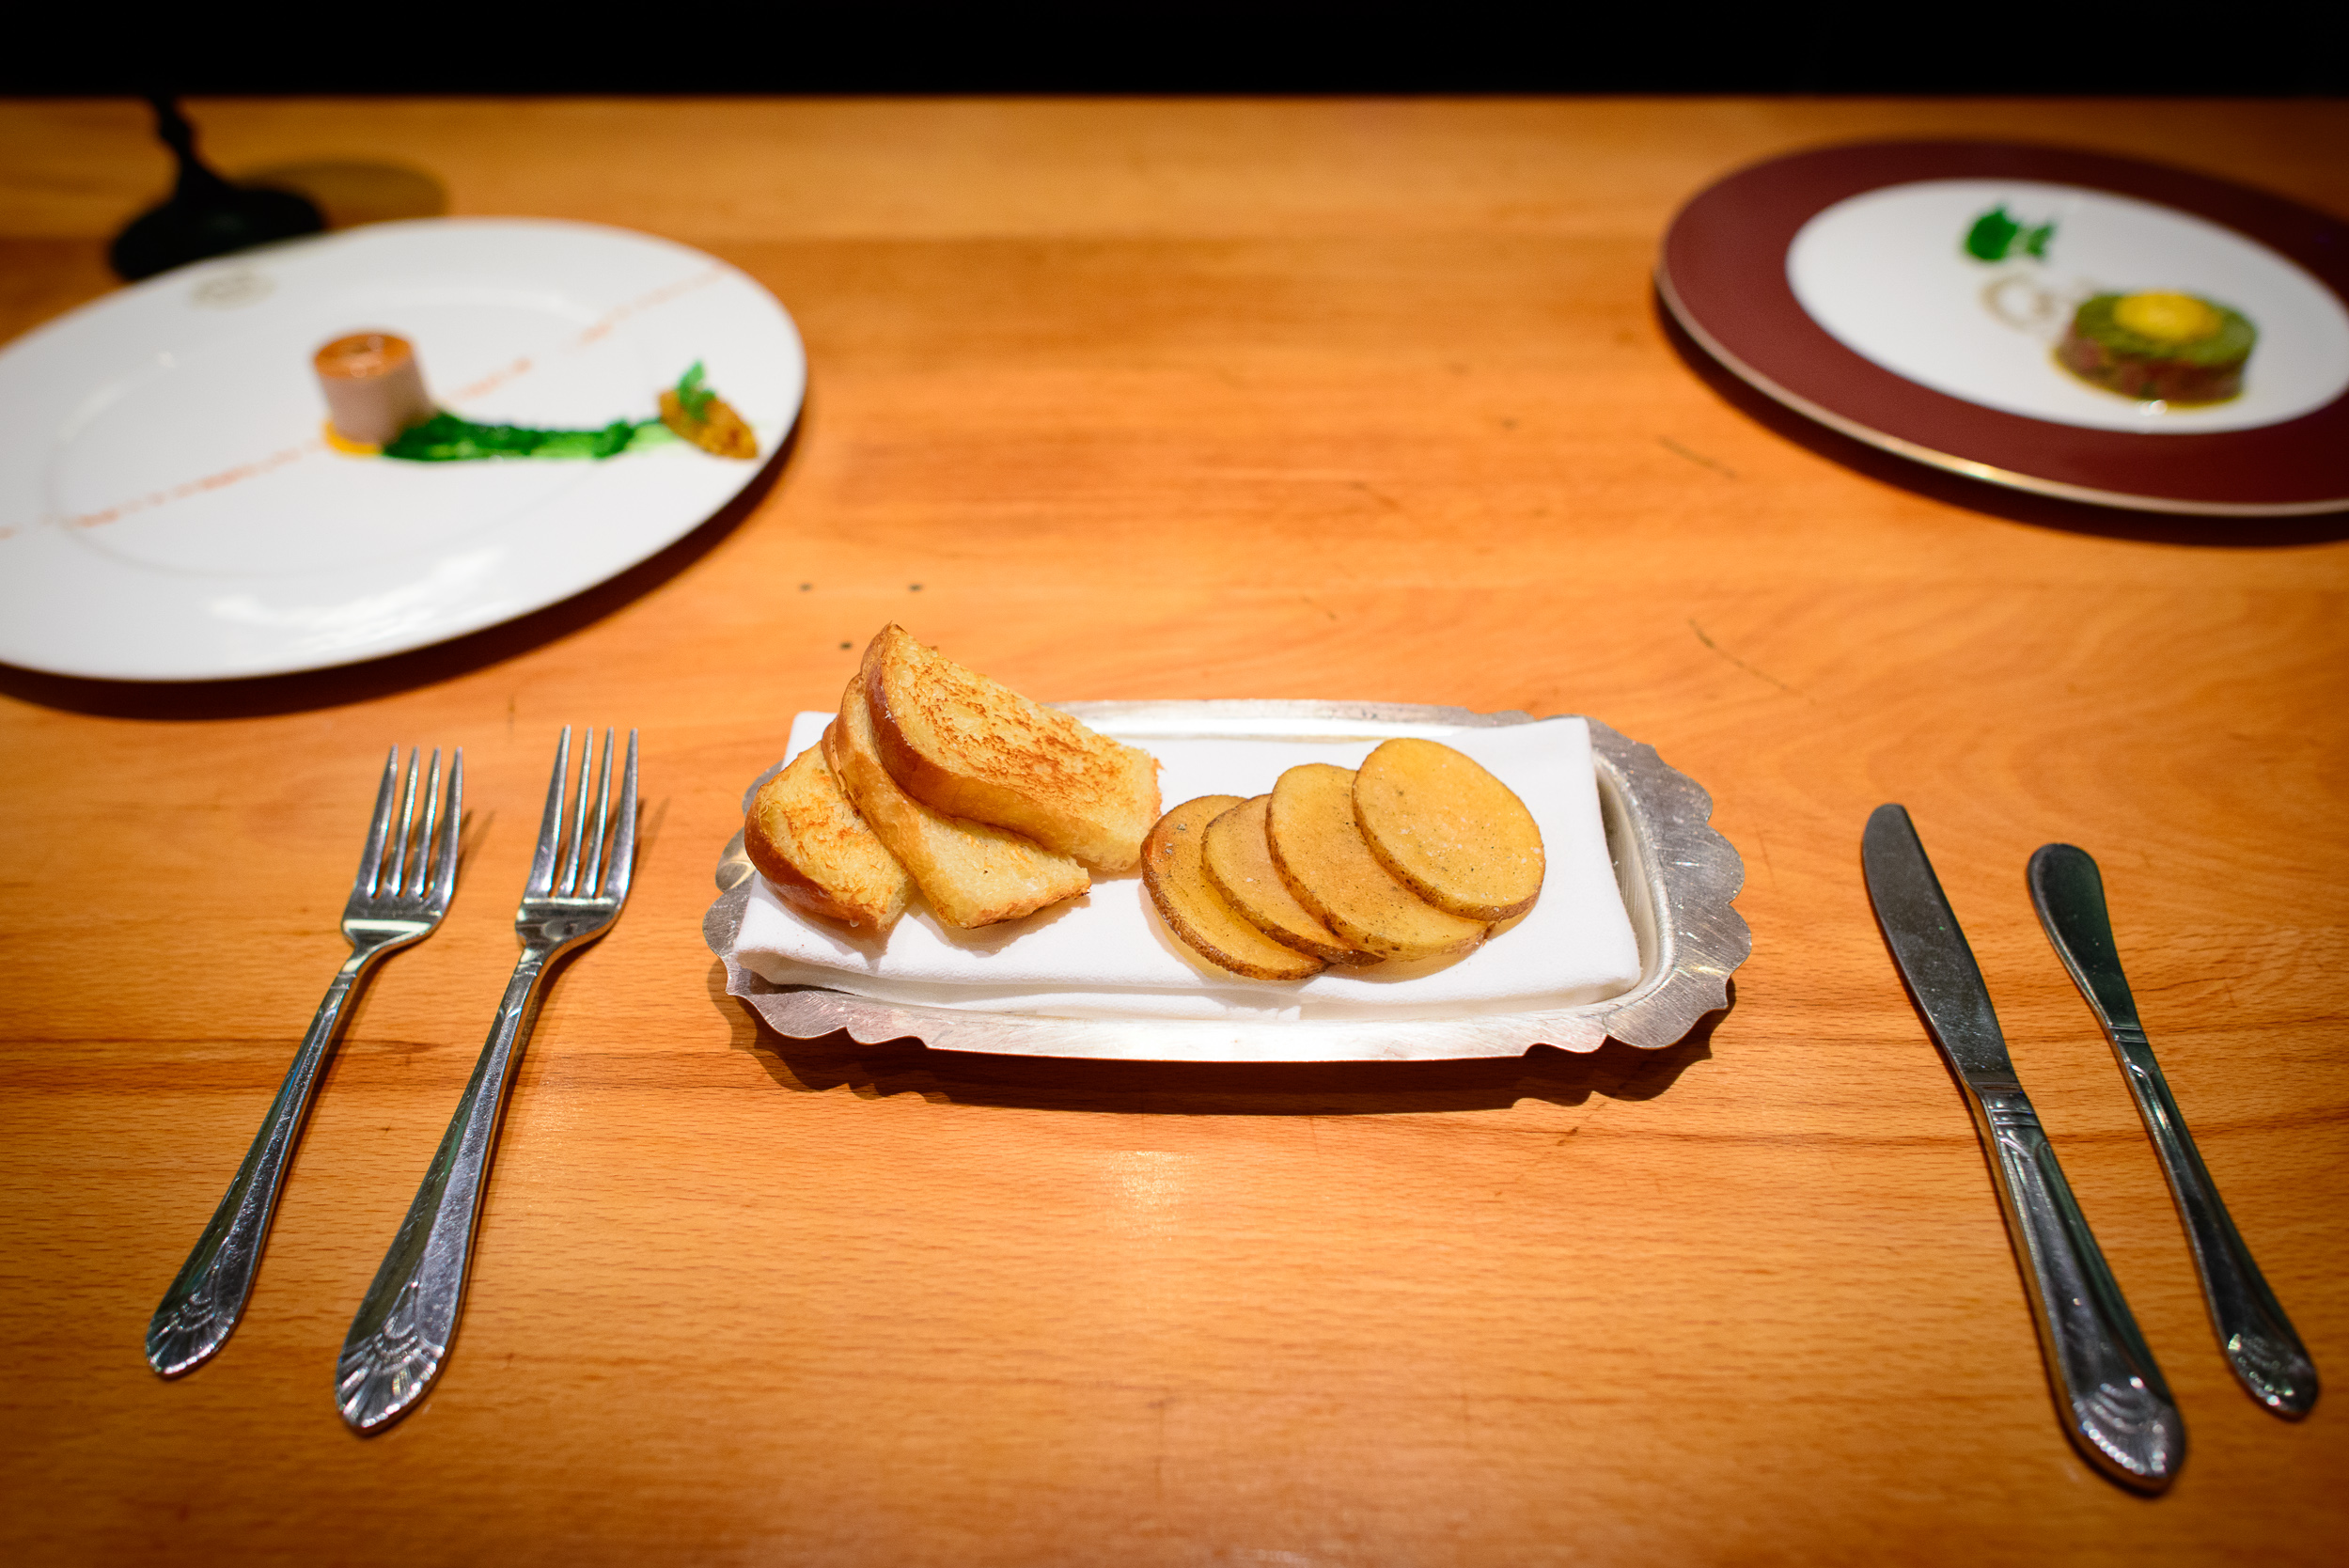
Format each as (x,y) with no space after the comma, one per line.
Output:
(2115,1407)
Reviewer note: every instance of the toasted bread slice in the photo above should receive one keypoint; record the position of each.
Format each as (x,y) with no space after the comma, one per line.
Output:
(973,747)
(1448,830)
(1239,861)
(818,853)
(1195,913)
(1321,855)
(972,874)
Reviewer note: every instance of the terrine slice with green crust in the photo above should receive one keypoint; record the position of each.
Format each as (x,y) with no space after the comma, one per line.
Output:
(2170,347)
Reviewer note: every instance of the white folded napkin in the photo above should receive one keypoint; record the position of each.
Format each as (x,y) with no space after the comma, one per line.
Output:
(1107,955)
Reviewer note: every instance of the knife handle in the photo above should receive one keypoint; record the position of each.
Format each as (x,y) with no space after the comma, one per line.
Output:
(2122,1416)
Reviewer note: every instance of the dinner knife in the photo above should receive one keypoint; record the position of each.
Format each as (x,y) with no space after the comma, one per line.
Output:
(2116,1406)
(2258,1339)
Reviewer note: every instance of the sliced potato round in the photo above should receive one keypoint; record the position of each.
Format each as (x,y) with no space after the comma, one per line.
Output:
(1173,871)
(1239,862)
(1321,854)
(1448,830)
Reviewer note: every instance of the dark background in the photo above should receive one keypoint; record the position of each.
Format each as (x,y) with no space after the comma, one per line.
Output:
(1635,46)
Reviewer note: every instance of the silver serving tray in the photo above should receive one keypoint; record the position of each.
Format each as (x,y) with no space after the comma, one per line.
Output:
(1678,877)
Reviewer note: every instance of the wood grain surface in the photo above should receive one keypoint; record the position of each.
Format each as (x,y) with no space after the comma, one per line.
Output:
(1314,400)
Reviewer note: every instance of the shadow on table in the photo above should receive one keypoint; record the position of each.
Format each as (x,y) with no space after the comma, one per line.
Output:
(260,696)
(1613,1072)
(350,191)
(1956,489)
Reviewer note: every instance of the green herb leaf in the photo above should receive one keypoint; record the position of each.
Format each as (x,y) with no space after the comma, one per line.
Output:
(1993,235)
(692,396)
(2035,241)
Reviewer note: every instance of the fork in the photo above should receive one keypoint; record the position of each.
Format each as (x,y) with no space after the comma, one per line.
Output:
(393,903)
(400,1336)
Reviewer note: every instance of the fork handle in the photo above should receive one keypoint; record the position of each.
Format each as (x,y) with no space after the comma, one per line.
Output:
(201,1309)
(401,1333)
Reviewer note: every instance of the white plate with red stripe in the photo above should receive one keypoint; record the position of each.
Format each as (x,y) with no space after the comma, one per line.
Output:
(171,510)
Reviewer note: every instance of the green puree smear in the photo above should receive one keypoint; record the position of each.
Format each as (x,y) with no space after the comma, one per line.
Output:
(447,438)
(1997,234)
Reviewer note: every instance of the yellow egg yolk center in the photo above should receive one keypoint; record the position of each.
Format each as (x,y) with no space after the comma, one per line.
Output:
(2168,318)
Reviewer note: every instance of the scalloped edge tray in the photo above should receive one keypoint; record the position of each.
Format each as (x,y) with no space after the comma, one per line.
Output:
(1677,876)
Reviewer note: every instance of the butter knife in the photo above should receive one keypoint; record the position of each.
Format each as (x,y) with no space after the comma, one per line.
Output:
(2265,1354)
(2116,1406)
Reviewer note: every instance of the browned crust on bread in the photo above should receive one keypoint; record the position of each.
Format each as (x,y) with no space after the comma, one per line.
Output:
(973,747)
(1317,849)
(807,840)
(973,873)
(1200,916)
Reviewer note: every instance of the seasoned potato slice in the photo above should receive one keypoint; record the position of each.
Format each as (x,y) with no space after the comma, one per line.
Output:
(1194,911)
(1321,854)
(1239,862)
(1448,830)
(818,853)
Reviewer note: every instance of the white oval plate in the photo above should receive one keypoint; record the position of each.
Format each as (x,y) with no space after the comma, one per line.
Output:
(170,511)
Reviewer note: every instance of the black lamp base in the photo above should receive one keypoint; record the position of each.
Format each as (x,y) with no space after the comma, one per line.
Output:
(206,216)
(179,233)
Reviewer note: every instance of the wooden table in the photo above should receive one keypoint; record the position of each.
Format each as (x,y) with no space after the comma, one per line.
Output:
(1360,400)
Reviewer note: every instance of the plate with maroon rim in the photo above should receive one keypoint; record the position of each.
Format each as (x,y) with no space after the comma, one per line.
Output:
(1728,274)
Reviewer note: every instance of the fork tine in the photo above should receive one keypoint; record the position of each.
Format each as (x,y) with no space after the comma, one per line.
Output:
(592,865)
(551,827)
(420,867)
(372,858)
(623,830)
(399,846)
(567,881)
(443,881)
